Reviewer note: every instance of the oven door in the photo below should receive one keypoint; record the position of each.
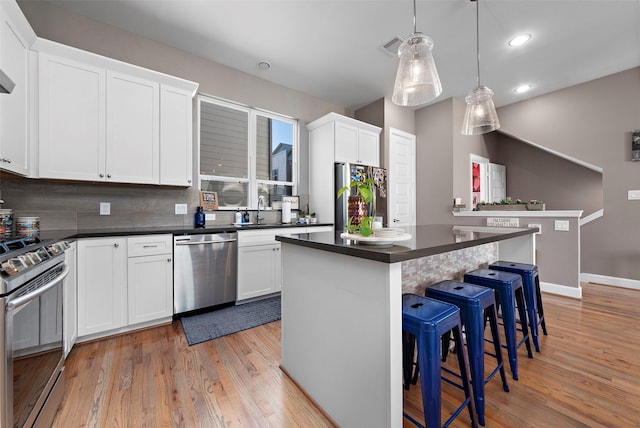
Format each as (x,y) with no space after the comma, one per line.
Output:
(34,346)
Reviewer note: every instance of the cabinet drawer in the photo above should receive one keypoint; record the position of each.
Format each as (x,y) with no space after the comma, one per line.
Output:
(149,245)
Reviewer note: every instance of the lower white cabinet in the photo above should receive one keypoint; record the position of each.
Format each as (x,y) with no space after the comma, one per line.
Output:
(150,279)
(124,283)
(102,285)
(259,270)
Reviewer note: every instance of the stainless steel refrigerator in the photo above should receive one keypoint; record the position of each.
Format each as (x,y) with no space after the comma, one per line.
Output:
(344,174)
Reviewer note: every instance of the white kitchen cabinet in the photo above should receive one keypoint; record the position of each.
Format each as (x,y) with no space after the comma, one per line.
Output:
(70,308)
(149,278)
(16,37)
(176,141)
(72,119)
(356,145)
(102,285)
(132,129)
(336,138)
(105,120)
(259,271)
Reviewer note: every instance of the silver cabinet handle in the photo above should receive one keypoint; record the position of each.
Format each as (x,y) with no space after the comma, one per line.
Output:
(116,245)
(101,175)
(108,175)
(149,246)
(395,220)
(169,259)
(6,160)
(189,181)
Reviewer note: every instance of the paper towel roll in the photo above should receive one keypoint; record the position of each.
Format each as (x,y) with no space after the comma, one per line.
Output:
(286,212)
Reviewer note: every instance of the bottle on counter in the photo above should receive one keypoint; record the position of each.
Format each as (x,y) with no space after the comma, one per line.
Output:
(199,217)
(245,217)
(239,217)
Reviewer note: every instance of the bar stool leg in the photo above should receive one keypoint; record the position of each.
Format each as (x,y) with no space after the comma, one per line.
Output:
(475,343)
(540,309)
(429,365)
(457,337)
(492,316)
(522,313)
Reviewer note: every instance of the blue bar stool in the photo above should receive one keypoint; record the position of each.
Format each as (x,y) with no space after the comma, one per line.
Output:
(427,320)
(532,295)
(508,287)
(476,304)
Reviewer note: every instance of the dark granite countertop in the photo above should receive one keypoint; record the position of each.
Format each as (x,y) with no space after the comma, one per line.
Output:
(173,230)
(426,241)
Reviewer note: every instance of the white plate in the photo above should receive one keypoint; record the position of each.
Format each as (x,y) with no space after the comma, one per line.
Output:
(372,240)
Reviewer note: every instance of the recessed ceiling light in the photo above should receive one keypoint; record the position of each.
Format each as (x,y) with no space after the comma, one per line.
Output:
(520,39)
(263,65)
(522,88)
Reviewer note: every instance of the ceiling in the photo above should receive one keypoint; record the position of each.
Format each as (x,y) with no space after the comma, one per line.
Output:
(333,49)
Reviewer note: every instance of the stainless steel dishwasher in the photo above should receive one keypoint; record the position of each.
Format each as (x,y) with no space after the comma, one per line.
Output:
(204,270)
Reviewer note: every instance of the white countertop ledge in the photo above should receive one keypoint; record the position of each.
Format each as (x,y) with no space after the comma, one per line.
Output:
(549,213)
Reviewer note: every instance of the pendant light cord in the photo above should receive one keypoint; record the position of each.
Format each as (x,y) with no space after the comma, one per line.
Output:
(414,17)
(477,38)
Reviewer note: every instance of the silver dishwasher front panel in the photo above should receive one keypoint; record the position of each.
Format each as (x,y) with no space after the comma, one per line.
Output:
(204,271)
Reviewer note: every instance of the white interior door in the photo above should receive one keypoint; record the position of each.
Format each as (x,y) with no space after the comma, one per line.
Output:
(498,182)
(401,179)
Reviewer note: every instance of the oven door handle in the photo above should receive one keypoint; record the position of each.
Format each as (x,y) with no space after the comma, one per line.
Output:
(23,300)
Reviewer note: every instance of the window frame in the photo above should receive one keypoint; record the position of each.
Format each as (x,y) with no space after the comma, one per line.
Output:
(252,181)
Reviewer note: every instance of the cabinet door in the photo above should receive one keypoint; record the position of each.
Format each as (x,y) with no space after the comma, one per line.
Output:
(14,140)
(176,142)
(368,148)
(70,312)
(150,288)
(72,119)
(132,126)
(256,274)
(102,281)
(346,143)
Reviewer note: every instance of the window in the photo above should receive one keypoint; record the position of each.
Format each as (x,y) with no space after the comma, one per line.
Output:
(246,153)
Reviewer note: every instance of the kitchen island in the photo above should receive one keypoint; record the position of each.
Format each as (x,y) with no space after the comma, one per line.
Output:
(342,312)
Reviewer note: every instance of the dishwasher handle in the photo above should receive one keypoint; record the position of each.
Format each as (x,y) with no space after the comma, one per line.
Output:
(204,242)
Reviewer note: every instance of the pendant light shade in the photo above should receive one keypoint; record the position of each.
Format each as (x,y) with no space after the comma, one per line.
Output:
(481,116)
(417,80)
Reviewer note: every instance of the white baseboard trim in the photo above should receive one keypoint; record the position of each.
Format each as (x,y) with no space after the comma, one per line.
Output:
(562,290)
(610,280)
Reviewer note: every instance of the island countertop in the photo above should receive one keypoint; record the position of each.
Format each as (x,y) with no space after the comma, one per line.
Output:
(425,241)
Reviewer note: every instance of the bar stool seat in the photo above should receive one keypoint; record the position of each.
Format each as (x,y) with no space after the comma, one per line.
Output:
(532,295)
(476,304)
(427,320)
(508,288)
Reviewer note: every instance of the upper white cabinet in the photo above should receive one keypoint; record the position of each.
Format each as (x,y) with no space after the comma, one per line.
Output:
(72,119)
(176,147)
(16,37)
(105,120)
(336,138)
(133,131)
(353,144)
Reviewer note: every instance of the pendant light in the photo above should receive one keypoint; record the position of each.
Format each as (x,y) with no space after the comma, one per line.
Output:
(417,80)
(481,116)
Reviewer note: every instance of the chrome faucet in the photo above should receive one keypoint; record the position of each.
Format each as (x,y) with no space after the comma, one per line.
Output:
(261,201)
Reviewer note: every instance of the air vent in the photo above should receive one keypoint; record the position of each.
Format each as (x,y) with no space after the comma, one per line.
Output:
(391,47)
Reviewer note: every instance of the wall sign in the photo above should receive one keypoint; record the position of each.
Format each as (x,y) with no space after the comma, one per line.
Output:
(503,222)
(209,200)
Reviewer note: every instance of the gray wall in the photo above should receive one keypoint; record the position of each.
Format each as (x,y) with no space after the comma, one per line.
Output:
(533,173)
(593,122)
(71,205)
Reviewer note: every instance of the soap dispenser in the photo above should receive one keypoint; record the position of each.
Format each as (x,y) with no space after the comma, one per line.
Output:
(238,218)
(199,217)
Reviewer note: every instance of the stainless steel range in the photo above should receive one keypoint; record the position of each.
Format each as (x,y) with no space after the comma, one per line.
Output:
(31,373)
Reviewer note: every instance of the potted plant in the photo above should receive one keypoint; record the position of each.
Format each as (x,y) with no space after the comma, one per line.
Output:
(535,205)
(360,221)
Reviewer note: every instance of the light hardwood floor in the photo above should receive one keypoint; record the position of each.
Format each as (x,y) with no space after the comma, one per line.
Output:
(587,375)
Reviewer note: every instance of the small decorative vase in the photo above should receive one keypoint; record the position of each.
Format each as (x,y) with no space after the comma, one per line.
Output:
(356,209)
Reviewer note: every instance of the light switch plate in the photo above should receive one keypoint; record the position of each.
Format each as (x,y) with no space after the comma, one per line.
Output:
(181,209)
(562,225)
(633,195)
(105,208)
(209,216)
